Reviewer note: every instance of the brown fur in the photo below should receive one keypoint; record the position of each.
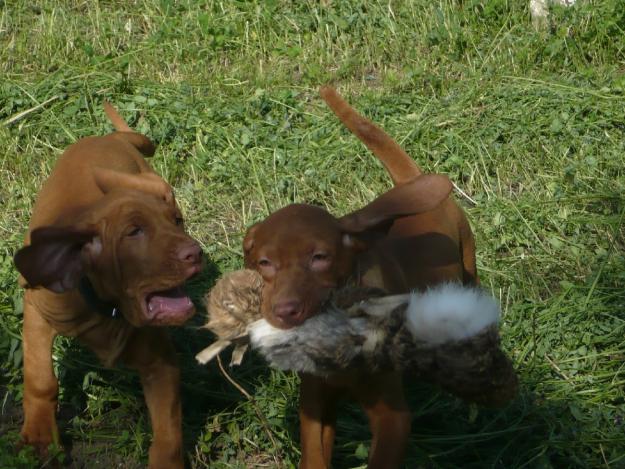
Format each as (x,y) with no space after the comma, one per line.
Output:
(233,303)
(408,238)
(104,214)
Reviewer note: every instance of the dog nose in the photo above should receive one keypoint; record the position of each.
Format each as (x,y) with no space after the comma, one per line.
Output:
(190,253)
(288,311)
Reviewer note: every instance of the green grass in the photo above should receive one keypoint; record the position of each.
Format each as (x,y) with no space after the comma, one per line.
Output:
(530,124)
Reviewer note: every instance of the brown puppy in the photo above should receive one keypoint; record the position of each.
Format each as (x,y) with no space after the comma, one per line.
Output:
(408,238)
(105,257)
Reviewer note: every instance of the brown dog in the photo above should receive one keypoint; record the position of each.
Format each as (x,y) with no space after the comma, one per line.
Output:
(408,238)
(105,257)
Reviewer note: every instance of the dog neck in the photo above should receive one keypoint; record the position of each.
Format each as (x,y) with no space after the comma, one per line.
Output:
(97,304)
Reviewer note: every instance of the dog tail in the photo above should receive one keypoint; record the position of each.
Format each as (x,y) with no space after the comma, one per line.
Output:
(397,162)
(118,121)
(141,142)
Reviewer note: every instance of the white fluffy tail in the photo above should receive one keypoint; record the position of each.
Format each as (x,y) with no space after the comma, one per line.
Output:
(450,312)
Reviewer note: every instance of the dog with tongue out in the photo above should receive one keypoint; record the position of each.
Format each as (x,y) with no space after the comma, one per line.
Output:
(106,254)
(168,306)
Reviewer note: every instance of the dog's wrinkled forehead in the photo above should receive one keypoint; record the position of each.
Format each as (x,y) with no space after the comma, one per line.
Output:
(126,204)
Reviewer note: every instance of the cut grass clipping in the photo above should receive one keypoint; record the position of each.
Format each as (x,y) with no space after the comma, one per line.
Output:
(529,124)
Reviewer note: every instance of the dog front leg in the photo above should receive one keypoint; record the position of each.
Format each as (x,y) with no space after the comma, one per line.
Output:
(151,353)
(40,385)
(389,420)
(317,422)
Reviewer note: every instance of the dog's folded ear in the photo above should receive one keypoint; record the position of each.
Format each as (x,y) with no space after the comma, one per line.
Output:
(152,183)
(419,195)
(54,258)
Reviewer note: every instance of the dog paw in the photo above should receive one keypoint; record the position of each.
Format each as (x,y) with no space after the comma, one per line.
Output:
(165,458)
(47,452)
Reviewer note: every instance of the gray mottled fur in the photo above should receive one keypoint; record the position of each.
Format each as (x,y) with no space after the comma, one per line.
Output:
(451,338)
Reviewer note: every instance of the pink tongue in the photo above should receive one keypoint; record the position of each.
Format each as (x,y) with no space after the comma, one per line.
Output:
(170,303)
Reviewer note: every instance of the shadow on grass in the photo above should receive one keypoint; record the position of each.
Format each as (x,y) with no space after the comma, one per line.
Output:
(205,391)
(529,432)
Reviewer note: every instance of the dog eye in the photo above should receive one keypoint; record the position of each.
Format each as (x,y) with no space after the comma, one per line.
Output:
(179,221)
(264,262)
(320,257)
(135,231)
(320,261)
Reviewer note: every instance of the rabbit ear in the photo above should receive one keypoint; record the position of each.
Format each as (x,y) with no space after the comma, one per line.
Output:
(419,195)
(108,179)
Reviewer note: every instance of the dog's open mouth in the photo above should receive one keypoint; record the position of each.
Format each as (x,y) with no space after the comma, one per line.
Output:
(171,306)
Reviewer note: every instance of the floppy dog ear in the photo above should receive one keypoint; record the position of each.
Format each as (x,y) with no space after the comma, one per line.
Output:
(108,179)
(419,195)
(54,257)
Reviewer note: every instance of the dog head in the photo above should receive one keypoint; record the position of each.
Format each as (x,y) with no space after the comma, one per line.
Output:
(132,247)
(303,252)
